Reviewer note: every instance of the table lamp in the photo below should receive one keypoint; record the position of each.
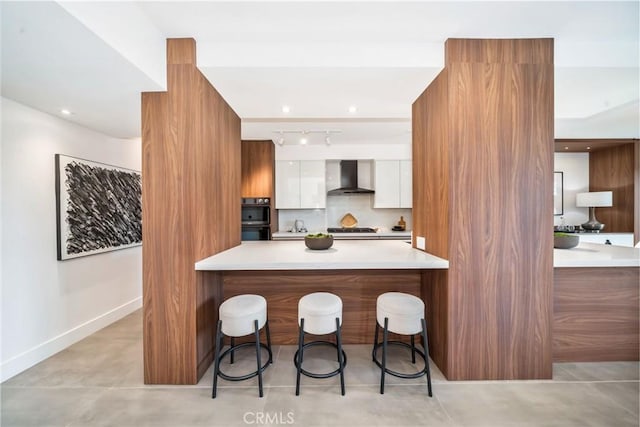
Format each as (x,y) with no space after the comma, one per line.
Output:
(593,200)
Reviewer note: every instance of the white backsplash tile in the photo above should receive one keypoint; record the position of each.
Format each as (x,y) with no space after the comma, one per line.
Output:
(359,205)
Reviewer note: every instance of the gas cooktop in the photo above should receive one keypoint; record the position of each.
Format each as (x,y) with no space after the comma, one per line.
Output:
(351,230)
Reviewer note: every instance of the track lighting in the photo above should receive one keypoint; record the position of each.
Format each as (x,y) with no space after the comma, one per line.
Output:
(304,138)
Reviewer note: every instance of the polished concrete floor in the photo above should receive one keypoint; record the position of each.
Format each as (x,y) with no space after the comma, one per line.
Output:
(98,382)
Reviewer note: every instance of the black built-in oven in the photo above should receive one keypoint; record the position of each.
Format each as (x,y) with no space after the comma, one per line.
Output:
(256,218)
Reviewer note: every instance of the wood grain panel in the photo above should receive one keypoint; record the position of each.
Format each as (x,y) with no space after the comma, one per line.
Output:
(258,176)
(636,192)
(209,299)
(191,145)
(160,175)
(612,169)
(499,51)
(181,51)
(357,289)
(498,147)
(431,167)
(596,314)
(435,296)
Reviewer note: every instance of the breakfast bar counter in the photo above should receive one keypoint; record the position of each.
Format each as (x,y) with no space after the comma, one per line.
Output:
(343,255)
(284,271)
(596,255)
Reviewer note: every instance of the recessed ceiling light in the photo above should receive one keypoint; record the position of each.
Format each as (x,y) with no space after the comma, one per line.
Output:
(285,109)
(352,109)
(303,141)
(588,148)
(566,148)
(65,112)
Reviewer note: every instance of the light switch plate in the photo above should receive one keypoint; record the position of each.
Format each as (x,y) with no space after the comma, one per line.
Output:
(421,243)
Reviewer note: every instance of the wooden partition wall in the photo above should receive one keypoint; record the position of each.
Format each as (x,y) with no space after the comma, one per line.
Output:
(482,172)
(191,210)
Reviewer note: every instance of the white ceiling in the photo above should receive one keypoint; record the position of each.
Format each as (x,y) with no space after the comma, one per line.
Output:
(319,58)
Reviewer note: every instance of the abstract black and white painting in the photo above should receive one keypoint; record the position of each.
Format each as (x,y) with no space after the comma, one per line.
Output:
(99,207)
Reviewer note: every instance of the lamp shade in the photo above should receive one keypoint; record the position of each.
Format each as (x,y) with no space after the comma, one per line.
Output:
(594,199)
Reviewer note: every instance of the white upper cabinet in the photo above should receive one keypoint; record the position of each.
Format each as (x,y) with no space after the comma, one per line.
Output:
(287,184)
(406,184)
(300,184)
(393,184)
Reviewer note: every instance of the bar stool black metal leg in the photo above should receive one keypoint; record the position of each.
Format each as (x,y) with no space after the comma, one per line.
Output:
(340,361)
(300,355)
(375,342)
(216,360)
(255,324)
(413,349)
(384,353)
(426,354)
(233,344)
(266,326)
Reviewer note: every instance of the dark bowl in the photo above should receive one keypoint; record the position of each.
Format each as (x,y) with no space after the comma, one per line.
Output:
(565,241)
(318,243)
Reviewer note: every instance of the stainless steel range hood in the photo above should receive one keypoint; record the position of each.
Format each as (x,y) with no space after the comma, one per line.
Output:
(349,180)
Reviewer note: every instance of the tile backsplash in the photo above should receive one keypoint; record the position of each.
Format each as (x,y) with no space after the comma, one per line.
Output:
(358,205)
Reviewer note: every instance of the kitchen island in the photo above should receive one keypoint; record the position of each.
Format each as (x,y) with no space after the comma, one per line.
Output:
(595,303)
(357,271)
(343,255)
(595,299)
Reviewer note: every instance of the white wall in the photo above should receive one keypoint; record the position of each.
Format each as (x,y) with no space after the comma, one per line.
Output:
(575,169)
(47,304)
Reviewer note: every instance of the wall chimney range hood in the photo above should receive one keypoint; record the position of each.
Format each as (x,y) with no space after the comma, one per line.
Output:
(349,180)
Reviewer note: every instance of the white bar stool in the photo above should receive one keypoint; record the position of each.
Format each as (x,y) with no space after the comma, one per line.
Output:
(320,313)
(239,316)
(402,314)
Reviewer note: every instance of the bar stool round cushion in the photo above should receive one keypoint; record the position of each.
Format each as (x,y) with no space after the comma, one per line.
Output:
(319,311)
(239,313)
(404,311)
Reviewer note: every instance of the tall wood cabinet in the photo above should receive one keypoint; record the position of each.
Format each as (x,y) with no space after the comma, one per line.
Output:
(258,173)
(258,159)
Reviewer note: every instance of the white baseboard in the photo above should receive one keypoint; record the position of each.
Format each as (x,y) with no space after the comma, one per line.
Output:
(37,354)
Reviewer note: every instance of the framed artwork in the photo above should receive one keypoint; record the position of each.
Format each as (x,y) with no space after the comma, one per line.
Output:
(98,207)
(558,204)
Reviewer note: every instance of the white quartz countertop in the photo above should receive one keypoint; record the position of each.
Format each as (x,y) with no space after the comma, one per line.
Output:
(596,255)
(340,236)
(343,255)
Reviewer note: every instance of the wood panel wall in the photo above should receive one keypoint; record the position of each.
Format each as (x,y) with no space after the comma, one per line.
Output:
(489,168)
(636,192)
(596,314)
(191,210)
(357,289)
(612,169)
